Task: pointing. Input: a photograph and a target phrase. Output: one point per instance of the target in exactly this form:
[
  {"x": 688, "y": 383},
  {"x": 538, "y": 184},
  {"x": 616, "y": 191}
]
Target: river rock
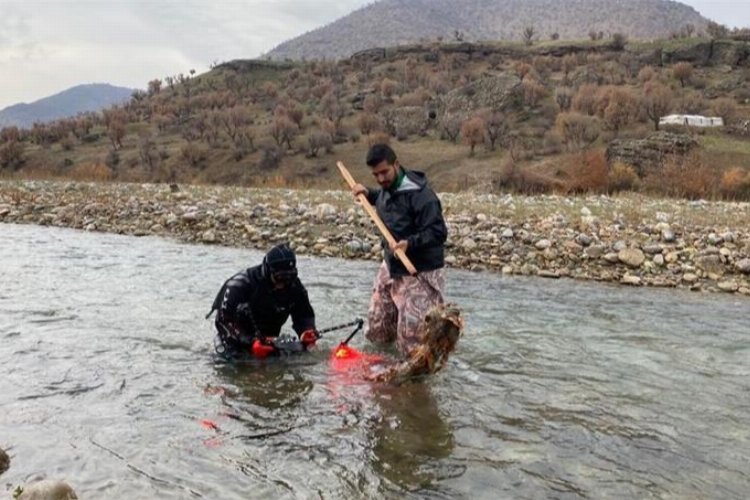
[
  {"x": 728, "y": 286},
  {"x": 4, "y": 461},
  {"x": 543, "y": 244},
  {"x": 715, "y": 239},
  {"x": 668, "y": 236},
  {"x": 631, "y": 280},
  {"x": 672, "y": 257},
  {"x": 611, "y": 257},
  {"x": 631, "y": 257},
  {"x": 743, "y": 266},
  {"x": 507, "y": 233},
  {"x": 710, "y": 263},
  {"x": 583, "y": 239},
  {"x": 652, "y": 249},
  {"x": 325, "y": 210},
  {"x": 47, "y": 489},
  {"x": 208, "y": 237},
  {"x": 659, "y": 259},
  {"x": 595, "y": 251},
  {"x": 354, "y": 247},
  {"x": 469, "y": 244},
  {"x": 689, "y": 278}
]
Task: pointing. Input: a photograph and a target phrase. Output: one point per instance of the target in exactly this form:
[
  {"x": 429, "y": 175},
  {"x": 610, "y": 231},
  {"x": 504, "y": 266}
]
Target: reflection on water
[
  {"x": 558, "y": 389},
  {"x": 410, "y": 437}
]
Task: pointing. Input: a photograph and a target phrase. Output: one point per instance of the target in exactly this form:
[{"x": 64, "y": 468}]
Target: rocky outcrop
[
  {"x": 700, "y": 52},
  {"x": 408, "y": 120},
  {"x": 250, "y": 65},
  {"x": 496, "y": 92},
  {"x": 731, "y": 53},
  {"x": 649, "y": 154}
]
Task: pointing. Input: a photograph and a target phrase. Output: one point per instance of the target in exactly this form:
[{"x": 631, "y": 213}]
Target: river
[{"x": 559, "y": 389}]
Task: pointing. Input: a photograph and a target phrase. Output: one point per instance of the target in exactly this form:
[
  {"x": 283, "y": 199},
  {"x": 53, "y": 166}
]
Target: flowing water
[{"x": 559, "y": 389}]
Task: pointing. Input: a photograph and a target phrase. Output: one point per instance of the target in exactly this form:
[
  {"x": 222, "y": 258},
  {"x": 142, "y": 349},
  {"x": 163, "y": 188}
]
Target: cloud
[{"x": 49, "y": 45}]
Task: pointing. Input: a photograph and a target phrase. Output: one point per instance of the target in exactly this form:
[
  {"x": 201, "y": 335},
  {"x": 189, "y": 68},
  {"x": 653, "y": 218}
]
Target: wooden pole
[{"x": 376, "y": 219}]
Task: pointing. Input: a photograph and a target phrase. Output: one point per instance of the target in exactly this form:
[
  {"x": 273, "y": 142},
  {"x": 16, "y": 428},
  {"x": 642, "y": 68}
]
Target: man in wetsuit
[{"x": 253, "y": 305}]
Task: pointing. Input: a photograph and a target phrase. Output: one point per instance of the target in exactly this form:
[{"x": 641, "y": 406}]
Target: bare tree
[
  {"x": 682, "y": 71},
  {"x": 472, "y": 132},
  {"x": 496, "y": 128},
  {"x": 450, "y": 127},
  {"x": 656, "y": 101},
  {"x": 528, "y": 35}
]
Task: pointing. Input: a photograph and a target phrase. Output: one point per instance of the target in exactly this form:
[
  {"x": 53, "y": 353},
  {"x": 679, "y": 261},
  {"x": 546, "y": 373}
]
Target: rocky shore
[{"x": 632, "y": 240}]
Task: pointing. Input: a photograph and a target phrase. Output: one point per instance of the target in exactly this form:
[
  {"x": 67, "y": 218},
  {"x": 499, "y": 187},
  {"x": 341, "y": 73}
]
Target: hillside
[
  {"x": 70, "y": 102},
  {"x": 395, "y": 22},
  {"x": 561, "y": 116}
]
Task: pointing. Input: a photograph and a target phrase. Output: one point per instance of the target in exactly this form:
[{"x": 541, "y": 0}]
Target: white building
[{"x": 692, "y": 120}]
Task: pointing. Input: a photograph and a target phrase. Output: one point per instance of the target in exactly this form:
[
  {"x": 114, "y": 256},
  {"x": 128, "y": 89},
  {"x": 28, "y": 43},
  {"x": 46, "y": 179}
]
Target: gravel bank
[{"x": 632, "y": 240}]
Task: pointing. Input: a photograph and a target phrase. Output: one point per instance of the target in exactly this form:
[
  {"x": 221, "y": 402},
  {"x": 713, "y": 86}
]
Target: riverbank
[{"x": 632, "y": 240}]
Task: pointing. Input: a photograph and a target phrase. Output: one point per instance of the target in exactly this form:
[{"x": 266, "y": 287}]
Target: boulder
[
  {"x": 648, "y": 155},
  {"x": 47, "y": 489},
  {"x": 496, "y": 92},
  {"x": 407, "y": 120},
  {"x": 743, "y": 266},
  {"x": 631, "y": 257},
  {"x": 698, "y": 53}
]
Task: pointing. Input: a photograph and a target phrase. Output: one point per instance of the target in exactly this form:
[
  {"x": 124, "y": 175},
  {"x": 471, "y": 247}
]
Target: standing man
[
  {"x": 413, "y": 214},
  {"x": 253, "y": 305}
]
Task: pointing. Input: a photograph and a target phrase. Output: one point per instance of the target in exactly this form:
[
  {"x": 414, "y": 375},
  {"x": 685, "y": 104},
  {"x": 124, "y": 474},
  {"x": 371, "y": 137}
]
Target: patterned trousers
[{"x": 398, "y": 306}]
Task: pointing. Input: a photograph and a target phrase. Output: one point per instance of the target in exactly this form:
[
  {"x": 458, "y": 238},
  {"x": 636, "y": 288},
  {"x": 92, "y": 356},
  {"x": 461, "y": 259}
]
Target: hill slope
[
  {"x": 78, "y": 99},
  {"x": 395, "y": 22}
]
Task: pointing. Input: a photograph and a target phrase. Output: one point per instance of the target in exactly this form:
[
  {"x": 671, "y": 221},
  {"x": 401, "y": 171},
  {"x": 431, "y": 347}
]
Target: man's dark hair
[{"x": 379, "y": 153}]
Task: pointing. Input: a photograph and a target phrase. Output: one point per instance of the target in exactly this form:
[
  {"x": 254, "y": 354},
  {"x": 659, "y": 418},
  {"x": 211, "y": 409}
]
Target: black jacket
[
  {"x": 413, "y": 213},
  {"x": 247, "y": 303}
]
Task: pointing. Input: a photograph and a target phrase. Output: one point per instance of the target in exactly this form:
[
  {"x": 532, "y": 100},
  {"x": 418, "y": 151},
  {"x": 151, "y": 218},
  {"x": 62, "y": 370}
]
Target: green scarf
[{"x": 397, "y": 181}]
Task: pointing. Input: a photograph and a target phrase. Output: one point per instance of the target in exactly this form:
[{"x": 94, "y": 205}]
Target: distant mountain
[
  {"x": 394, "y": 22},
  {"x": 78, "y": 99}
]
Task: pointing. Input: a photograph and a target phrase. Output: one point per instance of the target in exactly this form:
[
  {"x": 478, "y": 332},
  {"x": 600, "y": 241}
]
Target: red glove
[
  {"x": 262, "y": 350},
  {"x": 308, "y": 338}
]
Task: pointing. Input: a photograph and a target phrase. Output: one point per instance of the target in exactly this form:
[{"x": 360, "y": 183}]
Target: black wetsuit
[{"x": 249, "y": 307}]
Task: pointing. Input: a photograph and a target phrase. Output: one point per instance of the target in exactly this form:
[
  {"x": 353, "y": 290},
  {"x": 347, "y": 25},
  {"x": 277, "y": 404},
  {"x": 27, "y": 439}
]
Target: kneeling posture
[{"x": 254, "y": 304}]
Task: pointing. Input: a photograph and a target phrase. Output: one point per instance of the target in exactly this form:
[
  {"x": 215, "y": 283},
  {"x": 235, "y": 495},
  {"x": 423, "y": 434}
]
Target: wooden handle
[{"x": 376, "y": 219}]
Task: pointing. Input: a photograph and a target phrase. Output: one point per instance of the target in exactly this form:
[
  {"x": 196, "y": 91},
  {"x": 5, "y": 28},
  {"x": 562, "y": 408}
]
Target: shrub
[
  {"x": 735, "y": 183},
  {"x": 685, "y": 177},
  {"x": 94, "y": 172},
  {"x": 622, "y": 177},
  {"x": 271, "y": 157},
  {"x": 524, "y": 181},
  {"x": 533, "y": 91},
  {"x": 682, "y": 71},
  {"x": 194, "y": 154},
  {"x": 587, "y": 172},
  {"x": 578, "y": 131},
  {"x": 11, "y": 154},
  {"x": 725, "y": 108},
  {"x": 472, "y": 132},
  {"x": 317, "y": 140},
  {"x": 378, "y": 138}
]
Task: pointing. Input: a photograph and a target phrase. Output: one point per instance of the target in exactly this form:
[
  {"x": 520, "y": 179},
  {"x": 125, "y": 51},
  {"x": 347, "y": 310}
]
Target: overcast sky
[{"x": 47, "y": 46}]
